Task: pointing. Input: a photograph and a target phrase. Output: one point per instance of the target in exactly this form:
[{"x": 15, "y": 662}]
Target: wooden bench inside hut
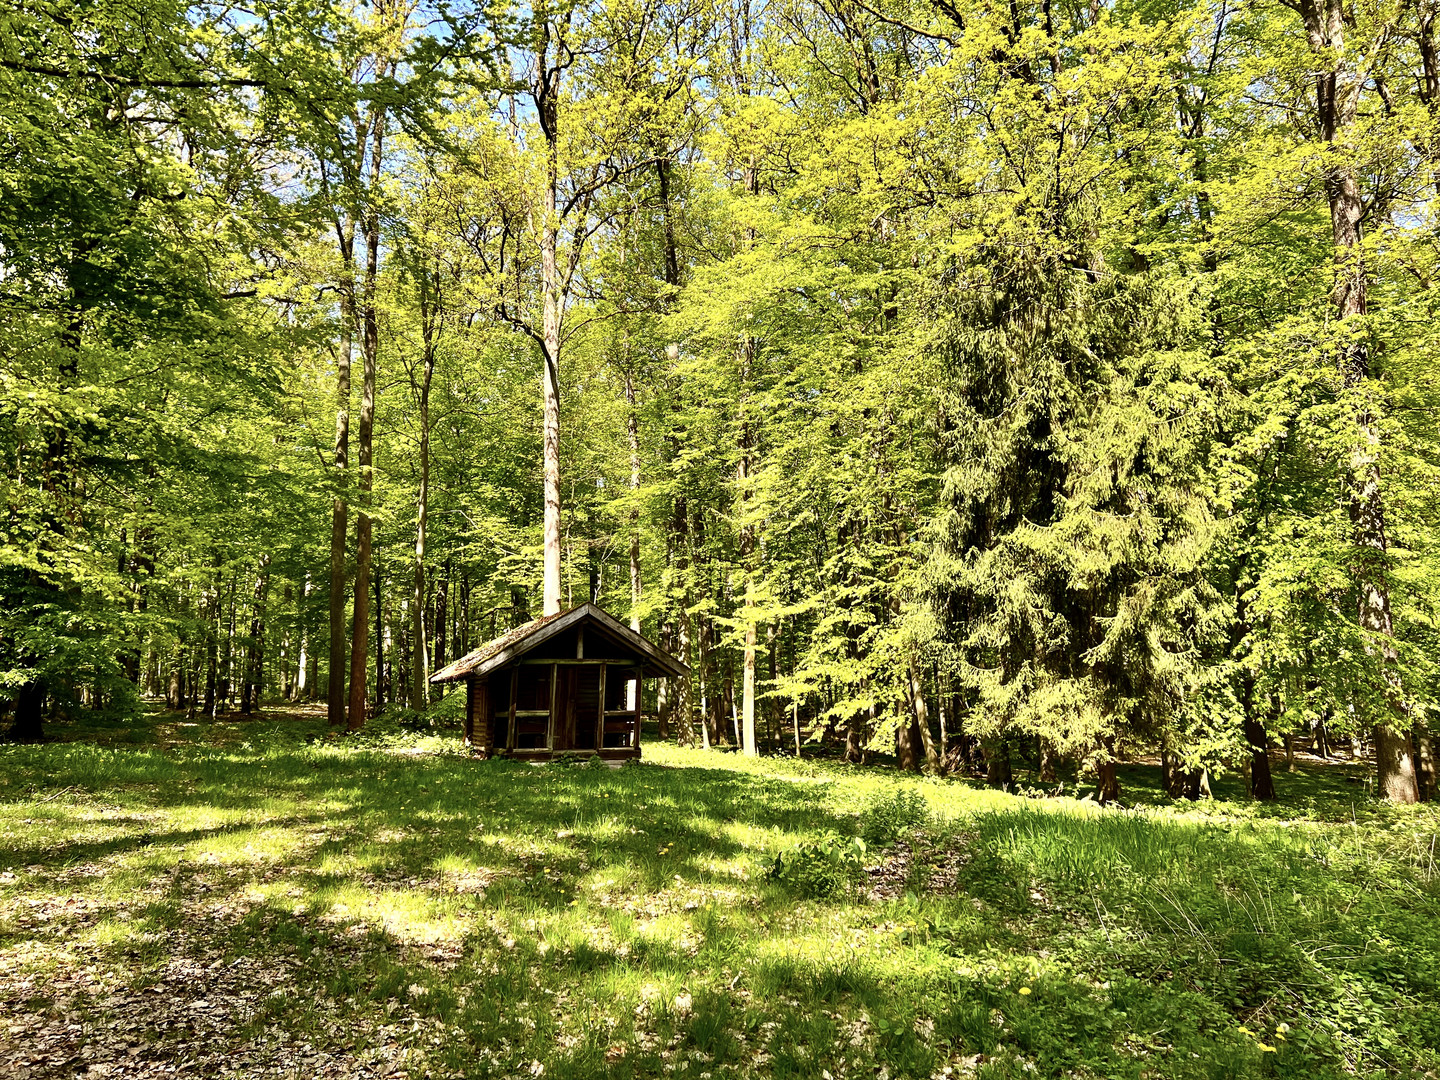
[{"x": 561, "y": 684}]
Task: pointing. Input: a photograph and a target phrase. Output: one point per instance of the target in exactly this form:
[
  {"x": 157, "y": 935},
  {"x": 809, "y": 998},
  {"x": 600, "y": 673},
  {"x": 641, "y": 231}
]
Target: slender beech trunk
[
  {"x": 774, "y": 709},
  {"x": 743, "y": 471},
  {"x": 707, "y": 683},
  {"x": 921, "y": 713},
  {"x": 304, "y": 683},
  {"x": 1425, "y": 763},
  {"x": 335, "y": 697},
  {"x": 212, "y": 631},
  {"x": 662, "y": 690},
  {"x": 227, "y": 663},
  {"x": 683, "y": 688},
  {"x": 255, "y": 668},
  {"x": 672, "y": 259},
  {"x": 1048, "y": 772},
  {"x": 443, "y": 615},
  {"x": 369, "y": 348},
  {"x": 384, "y": 690},
  {"x": 547, "y": 102},
  {"x": 632, "y": 438},
  {"x": 1337, "y": 93},
  {"x": 420, "y": 663}
]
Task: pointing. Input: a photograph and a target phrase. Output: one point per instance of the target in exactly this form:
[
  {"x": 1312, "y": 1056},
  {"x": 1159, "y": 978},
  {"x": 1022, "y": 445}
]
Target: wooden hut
[{"x": 560, "y": 684}]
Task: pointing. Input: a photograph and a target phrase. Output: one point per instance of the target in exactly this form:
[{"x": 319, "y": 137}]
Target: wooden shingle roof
[{"x": 515, "y": 643}]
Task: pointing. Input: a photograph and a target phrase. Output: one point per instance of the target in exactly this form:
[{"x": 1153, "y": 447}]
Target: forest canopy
[{"x": 945, "y": 379}]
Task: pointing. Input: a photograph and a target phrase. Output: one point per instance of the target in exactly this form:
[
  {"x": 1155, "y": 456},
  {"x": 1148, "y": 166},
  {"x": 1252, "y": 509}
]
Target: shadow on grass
[{"x": 607, "y": 922}]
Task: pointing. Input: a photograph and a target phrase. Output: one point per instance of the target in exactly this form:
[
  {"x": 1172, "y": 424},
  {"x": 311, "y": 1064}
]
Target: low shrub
[
  {"x": 821, "y": 869},
  {"x": 887, "y": 818}
]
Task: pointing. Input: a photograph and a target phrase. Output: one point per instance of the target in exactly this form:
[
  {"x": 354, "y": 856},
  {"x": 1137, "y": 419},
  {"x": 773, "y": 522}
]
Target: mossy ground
[{"x": 232, "y": 899}]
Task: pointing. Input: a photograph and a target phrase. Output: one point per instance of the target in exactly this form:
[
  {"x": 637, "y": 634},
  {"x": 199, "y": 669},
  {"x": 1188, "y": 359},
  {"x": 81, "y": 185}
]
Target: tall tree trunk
[
  {"x": 335, "y": 697},
  {"x": 443, "y": 615},
  {"x": 1425, "y": 763},
  {"x": 1048, "y": 771},
  {"x": 174, "y": 682},
  {"x": 774, "y": 710},
  {"x": 663, "y": 691},
  {"x": 227, "y": 678},
  {"x": 420, "y": 664},
  {"x": 547, "y": 102},
  {"x": 683, "y": 688},
  {"x": 857, "y": 734},
  {"x": 707, "y": 683},
  {"x": 632, "y": 439},
  {"x": 997, "y": 762},
  {"x": 743, "y": 471},
  {"x": 212, "y": 632},
  {"x": 907, "y": 740},
  {"x": 1107, "y": 783},
  {"x": 384, "y": 668},
  {"x": 672, "y": 260},
  {"x": 370, "y": 349},
  {"x": 1337, "y": 93},
  {"x": 255, "y": 668},
  {"x": 1262, "y": 783},
  {"x": 922, "y": 716},
  {"x": 304, "y": 684}
]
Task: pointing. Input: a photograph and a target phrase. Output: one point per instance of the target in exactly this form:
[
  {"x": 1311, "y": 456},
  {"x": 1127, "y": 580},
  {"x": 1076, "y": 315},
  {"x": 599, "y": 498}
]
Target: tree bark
[
  {"x": 443, "y": 615},
  {"x": 997, "y": 762},
  {"x": 1107, "y": 783},
  {"x": 420, "y": 660},
  {"x": 339, "y": 525},
  {"x": 1048, "y": 773},
  {"x": 922, "y": 716},
  {"x": 743, "y": 470},
  {"x": 1337, "y": 94},
  {"x": 369, "y": 348},
  {"x": 632, "y": 441},
  {"x": 547, "y": 103},
  {"x": 1262, "y": 783},
  {"x": 682, "y": 688},
  {"x": 907, "y": 739},
  {"x": 384, "y": 676},
  {"x": 672, "y": 260},
  {"x": 255, "y": 668},
  {"x": 1424, "y": 763},
  {"x": 212, "y": 633}
]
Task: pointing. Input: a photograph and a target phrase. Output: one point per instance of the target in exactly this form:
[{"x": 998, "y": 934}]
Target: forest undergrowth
[{"x": 264, "y": 899}]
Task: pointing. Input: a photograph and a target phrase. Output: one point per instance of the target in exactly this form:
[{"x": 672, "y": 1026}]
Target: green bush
[
  {"x": 823, "y": 868},
  {"x": 887, "y": 818}
]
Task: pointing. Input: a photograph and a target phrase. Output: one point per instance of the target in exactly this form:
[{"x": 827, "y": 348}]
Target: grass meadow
[{"x": 261, "y": 899}]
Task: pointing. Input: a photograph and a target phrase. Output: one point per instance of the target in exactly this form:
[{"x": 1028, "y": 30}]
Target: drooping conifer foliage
[{"x": 1044, "y": 382}]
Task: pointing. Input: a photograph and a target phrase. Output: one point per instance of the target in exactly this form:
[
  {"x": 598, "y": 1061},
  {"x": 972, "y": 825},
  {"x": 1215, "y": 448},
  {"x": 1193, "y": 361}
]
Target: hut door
[
  {"x": 586, "y": 683},
  {"x": 532, "y": 707}
]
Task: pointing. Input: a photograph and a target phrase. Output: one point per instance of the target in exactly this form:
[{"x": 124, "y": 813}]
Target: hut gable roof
[{"x": 517, "y": 642}]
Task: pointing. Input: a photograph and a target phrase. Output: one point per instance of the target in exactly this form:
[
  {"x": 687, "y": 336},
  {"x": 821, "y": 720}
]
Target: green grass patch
[{"x": 392, "y": 900}]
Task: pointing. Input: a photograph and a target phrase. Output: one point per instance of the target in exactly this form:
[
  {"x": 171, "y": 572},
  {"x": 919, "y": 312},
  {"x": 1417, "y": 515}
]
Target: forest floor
[{"x": 258, "y": 899}]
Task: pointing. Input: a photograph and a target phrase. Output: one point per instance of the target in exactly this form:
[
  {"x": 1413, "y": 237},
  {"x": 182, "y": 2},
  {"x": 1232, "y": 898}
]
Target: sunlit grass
[{"x": 489, "y": 917}]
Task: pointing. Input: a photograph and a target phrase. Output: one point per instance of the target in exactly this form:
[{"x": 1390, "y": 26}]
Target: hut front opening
[
  {"x": 567, "y": 683},
  {"x": 554, "y": 706}
]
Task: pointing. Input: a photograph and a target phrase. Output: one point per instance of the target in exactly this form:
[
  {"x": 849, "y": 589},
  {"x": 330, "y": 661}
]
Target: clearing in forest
[{"x": 233, "y": 900}]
